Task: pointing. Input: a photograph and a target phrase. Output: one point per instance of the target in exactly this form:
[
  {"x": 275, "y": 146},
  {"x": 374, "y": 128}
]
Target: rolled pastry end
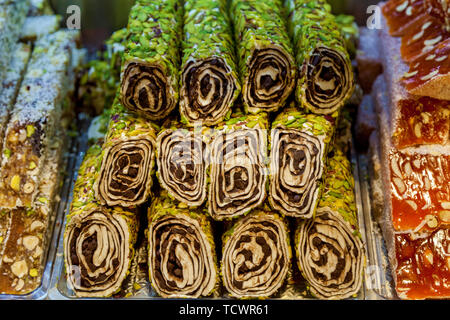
[
  {"x": 330, "y": 256},
  {"x": 329, "y": 81},
  {"x": 256, "y": 256},
  {"x": 237, "y": 173},
  {"x": 208, "y": 91},
  {"x": 181, "y": 166},
  {"x": 270, "y": 81},
  {"x": 97, "y": 251},
  {"x": 146, "y": 90},
  {"x": 181, "y": 257},
  {"x": 296, "y": 169},
  {"x": 125, "y": 174}
]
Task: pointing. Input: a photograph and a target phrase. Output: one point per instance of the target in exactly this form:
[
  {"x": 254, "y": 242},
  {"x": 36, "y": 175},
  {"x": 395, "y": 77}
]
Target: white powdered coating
[
  {"x": 44, "y": 85},
  {"x": 12, "y": 16},
  {"x": 39, "y": 26},
  {"x": 369, "y": 46},
  {"x": 9, "y": 85}
]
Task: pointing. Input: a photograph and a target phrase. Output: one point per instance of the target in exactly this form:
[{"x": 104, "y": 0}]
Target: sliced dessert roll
[
  {"x": 128, "y": 160},
  {"x": 149, "y": 79},
  {"x": 266, "y": 57},
  {"x": 182, "y": 158},
  {"x": 299, "y": 147},
  {"x": 209, "y": 80},
  {"x": 326, "y": 78},
  {"x": 329, "y": 249},
  {"x": 256, "y": 256},
  {"x": 238, "y": 166},
  {"x": 182, "y": 259},
  {"x": 98, "y": 241}
]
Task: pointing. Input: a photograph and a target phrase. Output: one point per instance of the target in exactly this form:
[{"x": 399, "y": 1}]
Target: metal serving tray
[
  {"x": 137, "y": 286},
  {"x": 378, "y": 278}
]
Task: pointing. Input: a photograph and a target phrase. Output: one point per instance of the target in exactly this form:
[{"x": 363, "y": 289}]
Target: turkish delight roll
[
  {"x": 149, "y": 78},
  {"x": 181, "y": 253}
]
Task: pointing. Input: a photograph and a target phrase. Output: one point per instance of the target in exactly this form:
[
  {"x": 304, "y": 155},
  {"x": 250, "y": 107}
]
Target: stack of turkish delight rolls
[
  {"x": 410, "y": 148},
  {"x": 38, "y": 68},
  {"x": 223, "y": 129}
]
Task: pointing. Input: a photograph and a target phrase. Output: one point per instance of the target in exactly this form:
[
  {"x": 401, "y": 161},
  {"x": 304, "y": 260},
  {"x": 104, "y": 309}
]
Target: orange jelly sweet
[
  {"x": 400, "y": 13},
  {"x": 420, "y": 191},
  {"x": 422, "y": 38},
  {"x": 423, "y": 265},
  {"x": 433, "y": 64},
  {"x": 422, "y": 121}
]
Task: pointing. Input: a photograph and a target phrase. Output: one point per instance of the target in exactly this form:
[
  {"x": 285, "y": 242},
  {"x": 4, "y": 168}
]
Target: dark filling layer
[
  {"x": 181, "y": 165},
  {"x": 239, "y": 176},
  {"x": 145, "y": 90},
  {"x": 163, "y": 248},
  {"x": 215, "y": 85},
  {"x": 89, "y": 246},
  {"x": 259, "y": 232},
  {"x": 125, "y": 175},
  {"x": 261, "y": 87},
  {"x": 317, "y": 71}
]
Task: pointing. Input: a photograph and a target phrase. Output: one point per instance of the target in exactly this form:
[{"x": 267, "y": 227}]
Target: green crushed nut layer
[
  {"x": 326, "y": 78},
  {"x": 172, "y": 229},
  {"x": 266, "y": 63},
  {"x": 151, "y": 62},
  {"x": 208, "y": 62}
]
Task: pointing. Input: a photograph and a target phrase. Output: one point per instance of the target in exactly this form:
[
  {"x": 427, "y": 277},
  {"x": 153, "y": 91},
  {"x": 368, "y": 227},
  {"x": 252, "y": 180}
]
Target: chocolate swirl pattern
[
  {"x": 330, "y": 253},
  {"x": 128, "y": 158},
  {"x": 209, "y": 80},
  {"x": 181, "y": 252},
  {"x": 98, "y": 241},
  {"x": 237, "y": 172},
  {"x": 326, "y": 78},
  {"x": 299, "y": 144},
  {"x": 269, "y": 79},
  {"x": 181, "y": 165},
  {"x": 256, "y": 256},
  {"x": 145, "y": 90},
  {"x": 330, "y": 256},
  {"x": 208, "y": 91},
  {"x": 149, "y": 74},
  {"x": 97, "y": 251},
  {"x": 329, "y": 80},
  {"x": 266, "y": 59},
  {"x": 296, "y": 167}
]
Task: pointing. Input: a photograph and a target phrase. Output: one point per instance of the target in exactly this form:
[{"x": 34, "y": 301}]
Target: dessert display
[
  {"x": 216, "y": 155},
  {"x": 227, "y": 150}
]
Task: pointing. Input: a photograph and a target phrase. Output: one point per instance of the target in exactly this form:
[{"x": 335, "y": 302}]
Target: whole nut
[
  {"x": 19, "y": 268},
  {"x": 15, "y": 183},
  {"x": 36, "y": 225},
  {"x": 28, "y": 187},
  {"x": 20, "y": 284},
  {"x": 30, "y": 242},
  {"x": 444, "y": 215},
  {"x": 431, "y": 221}
]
